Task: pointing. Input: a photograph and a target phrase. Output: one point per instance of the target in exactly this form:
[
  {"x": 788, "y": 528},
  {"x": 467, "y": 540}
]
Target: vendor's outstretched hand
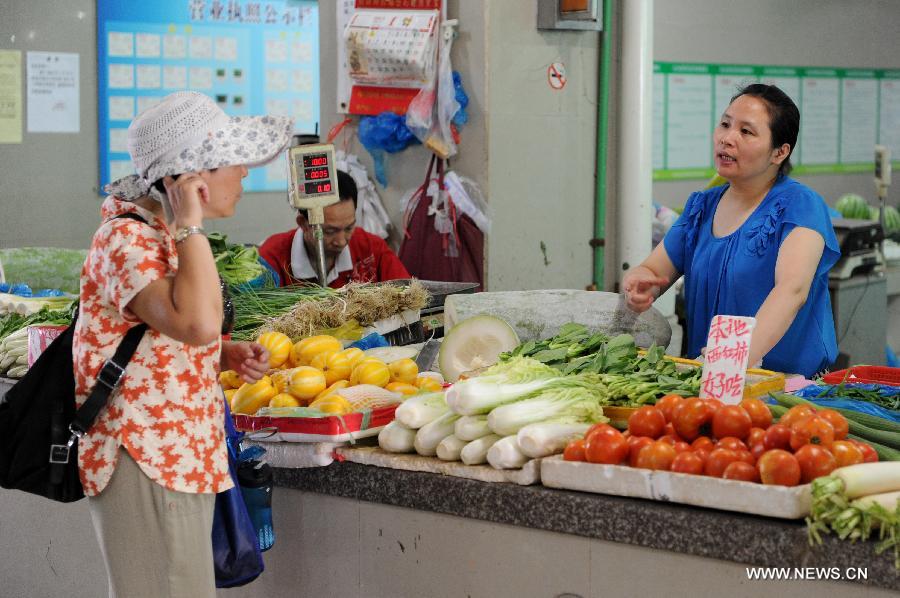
[
  {"x": 249, "y": 360},
  {"x": 641, "y": 287}
]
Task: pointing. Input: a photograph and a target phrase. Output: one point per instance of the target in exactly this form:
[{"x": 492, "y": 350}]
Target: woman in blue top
[{"x": 761, "y": 245}]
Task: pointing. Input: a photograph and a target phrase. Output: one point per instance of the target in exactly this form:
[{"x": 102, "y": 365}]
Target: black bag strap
[{"x": 112, "y": 371}]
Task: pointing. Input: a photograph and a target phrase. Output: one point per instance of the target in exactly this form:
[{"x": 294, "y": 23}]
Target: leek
[
  {"x": 420, "y": 410},
  {"x": 570, "y": 405}
]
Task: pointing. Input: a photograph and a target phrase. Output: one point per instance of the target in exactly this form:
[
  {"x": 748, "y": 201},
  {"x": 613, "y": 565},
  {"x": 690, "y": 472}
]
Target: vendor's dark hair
[
  {"x": 346, "y": 189},
  {"x": 784, "y": 117}
]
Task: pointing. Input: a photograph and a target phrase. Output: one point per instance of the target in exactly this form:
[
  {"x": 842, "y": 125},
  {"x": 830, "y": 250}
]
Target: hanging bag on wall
[{"x": 40, "y": 424}]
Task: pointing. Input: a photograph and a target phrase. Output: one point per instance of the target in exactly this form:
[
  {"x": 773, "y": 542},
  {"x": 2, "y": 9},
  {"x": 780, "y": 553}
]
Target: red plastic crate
[
  {"x": 318, "y": 429},
  {"x": 865, "y": 374}
]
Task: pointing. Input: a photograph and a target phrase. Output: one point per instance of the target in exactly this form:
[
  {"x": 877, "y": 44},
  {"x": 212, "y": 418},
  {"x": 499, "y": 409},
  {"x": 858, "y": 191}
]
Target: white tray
[
  {"x": 528, "y": 475},
  {"x": 697, "y": 490}
]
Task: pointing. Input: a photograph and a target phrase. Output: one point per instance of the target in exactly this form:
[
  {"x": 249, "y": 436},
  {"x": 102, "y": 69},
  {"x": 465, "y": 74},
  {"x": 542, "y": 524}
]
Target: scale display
[{"x": 313, "y": 175}]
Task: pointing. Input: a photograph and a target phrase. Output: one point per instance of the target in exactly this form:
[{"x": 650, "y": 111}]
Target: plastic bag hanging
[
  {"x": 370, "y": 212},
  {"x": 430, "y": 114}
]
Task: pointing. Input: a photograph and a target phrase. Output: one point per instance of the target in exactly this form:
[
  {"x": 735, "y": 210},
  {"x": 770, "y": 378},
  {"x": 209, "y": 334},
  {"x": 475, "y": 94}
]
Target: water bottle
[{"x": 255, "y": 479}]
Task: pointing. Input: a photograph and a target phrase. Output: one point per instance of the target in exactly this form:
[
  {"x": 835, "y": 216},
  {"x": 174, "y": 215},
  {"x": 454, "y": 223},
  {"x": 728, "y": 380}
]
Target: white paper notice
[
  {"x": 303, "y": 110},
  {"x": 277, "y": 107},
  {"x": 889, "y": 121},
  {"x": 659, "y": 120},
  {"x": 689, "y": 143},
  {"x": 118, "y": 140},
  {"x": 276, "y": 50},
  {"x": 303, "y": 81},
  {"x": 727, "y": 354},
  {"x": 174, "y": 77},
  {"x": 201, "y": 47},
  {"x": 201, "y": 77},
  {"x": 726, "y": 87},
  {"x": 859, "y": 119},
  {"x": 149, "y": 76},
  {"x": 121, "y": 76},
  {"x": 121, "y": 108},
  {"x": 53, "y": 86},
  {"x": 301, "y": 52},
  {"x": 819, "y": 120},
  {"x": 790, "y": 86},
  {"x": 11, "y": 96},
  {"x": 226, "y": 48},
  {"x": 148, "y": 45},
  {"x": 174, "y": 46},
  {"x": 120, "y": 44},
  {"x": 147, "y": 102},
  {"x": 276, "y": 80}
]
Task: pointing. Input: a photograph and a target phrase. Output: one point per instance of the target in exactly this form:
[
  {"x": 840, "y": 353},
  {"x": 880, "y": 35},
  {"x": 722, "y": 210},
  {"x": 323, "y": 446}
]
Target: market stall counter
[{"x": 408, "y": 533}]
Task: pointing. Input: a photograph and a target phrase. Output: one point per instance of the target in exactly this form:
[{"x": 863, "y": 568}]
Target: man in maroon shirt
[{"x": 351, "y": 254}]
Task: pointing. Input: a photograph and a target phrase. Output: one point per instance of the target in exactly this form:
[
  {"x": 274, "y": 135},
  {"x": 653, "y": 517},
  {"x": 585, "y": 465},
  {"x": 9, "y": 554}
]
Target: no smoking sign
[{"x": 556, "y": 75}]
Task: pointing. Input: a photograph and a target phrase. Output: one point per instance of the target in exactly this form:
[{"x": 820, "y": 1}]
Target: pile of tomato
[{"x": 735, "y": 442}]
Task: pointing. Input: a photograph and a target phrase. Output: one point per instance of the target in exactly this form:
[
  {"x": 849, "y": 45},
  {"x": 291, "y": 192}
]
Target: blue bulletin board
[{"x": 252, "y": 57}]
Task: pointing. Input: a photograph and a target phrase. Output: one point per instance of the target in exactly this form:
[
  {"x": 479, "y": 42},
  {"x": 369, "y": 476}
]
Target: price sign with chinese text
[{"x": 727, "y": 354}]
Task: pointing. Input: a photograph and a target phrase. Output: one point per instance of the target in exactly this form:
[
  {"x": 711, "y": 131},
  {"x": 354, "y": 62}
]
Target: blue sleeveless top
[{"x": 733, "y": 275}]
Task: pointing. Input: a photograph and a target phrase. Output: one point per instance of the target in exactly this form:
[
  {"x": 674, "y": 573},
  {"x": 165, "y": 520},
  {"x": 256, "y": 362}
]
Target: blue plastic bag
[
  {"x": 812, "y": 392},
  {"x": 371, "y": 341},
  {"x": 386, "y": 132},
  {"x": 236, "y": 554}
]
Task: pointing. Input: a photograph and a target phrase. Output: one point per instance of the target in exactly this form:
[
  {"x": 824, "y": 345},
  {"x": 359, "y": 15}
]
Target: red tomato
[
  {"x": 626, "y": 434},
  {"x": 731, "y": 420},
  {"x": 730, "y": 442},
  {"x": 716, "y": 404},
  {"x": 846, "y": 453},
  {"x": 669, "y": 439},
  {"x": 688, "y": 462},
  {"x": 812, "y": 430},
  {"x": 778, "y": 467},
  {"x": 742, "y": 471},
  {"x": 669, "y": 430},
  {"x": 869, "y": 454},
  {"x": 658, "y": 455},
  {"x": 703, "y": 442},
  {"x": 814, "y": 461},
  {"x": 746, "y": 456},
  {"x": 837, "y": 421},
  {"x": 795, "y": 414},
  {"x": 647, "y": 421},
  {"x": 667, "y": 405},
  {"x": 635, "y": 444},
  {"x": 597, "y": 428},
  {"x": 759, "y": 412},
  {"x": 606, "y": 446},
  {"x": 756, "y": 435},
  {"x": 681, "y": 447},
  {"x": 718, "y": 460},
  {"x": 778, "y": 436},
  {"x": 574, "y": 451},
  {"x": 703, "y": 453},
  {"x": 757, "y": 450},
  {"x": 693, "y": 418}
]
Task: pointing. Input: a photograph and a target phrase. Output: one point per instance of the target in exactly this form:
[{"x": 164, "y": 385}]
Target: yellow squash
[
  {"x": 278, "y": 345},
  {"x": 306, "y": 382},
  {"x": 284, "y": 400},
  {"x": 307, "y": 348},
  {"x": 404, "y": 370},
  {"x": 336, "y": 366},
  {"x": 334, "y": 404},
  {"x": 371, "y": 371},
  {"x": 250, "y": 397},
  {"x": 230, "y": 379}
]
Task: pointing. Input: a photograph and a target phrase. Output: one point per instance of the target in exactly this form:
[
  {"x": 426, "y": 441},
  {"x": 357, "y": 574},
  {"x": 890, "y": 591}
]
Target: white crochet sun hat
[{"x": 188, "y": 132}]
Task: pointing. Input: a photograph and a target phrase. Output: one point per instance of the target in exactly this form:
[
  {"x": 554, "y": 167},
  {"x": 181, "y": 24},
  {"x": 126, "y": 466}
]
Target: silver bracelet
[{"x": 184, "y": 233}]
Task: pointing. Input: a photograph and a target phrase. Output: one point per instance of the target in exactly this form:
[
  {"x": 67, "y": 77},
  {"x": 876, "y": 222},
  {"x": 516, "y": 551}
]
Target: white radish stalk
[
  {"x": 472, "y": 427},
  {"x": 450, "y": 448},
  {"x": 430, "y": 435},
  {"x": 475, "y": 453},
  {"x": 396, "y": 438},
  {"x": 869, "y": 478},
  {"x": 505, "y": 454},
  {"x": 545, "y": 439},
  {"x": 888, "y": 500},
  {"x": 419, "y": 410}
]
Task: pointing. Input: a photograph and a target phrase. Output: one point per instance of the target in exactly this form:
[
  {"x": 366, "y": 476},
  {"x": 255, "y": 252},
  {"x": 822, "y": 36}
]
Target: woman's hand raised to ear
[{"x": 187, "y": 195}]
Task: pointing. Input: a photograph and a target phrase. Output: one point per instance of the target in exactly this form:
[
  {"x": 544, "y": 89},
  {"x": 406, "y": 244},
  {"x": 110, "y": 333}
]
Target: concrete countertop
[{"x": 757, "y": 541}]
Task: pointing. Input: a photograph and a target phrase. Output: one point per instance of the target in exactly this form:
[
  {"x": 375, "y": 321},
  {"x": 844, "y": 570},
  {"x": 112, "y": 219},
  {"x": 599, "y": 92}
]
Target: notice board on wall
[
  {"x": 843, "y": 114},
  {"x": 252, "y": 57}
]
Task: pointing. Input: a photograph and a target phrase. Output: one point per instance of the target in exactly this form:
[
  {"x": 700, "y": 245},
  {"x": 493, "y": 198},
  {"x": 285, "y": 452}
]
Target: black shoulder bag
[{"x": 40, "y": 424}]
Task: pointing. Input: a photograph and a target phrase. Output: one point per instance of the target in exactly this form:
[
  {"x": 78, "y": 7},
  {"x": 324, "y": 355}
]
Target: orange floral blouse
[{"x": 167, "y": 412}]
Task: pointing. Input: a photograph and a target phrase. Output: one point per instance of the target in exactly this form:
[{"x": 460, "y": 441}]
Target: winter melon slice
[{"x": 474, "y": 343}]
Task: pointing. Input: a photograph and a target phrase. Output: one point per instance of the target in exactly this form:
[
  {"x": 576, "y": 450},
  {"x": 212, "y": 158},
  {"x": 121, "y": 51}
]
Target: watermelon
[
  {"x": 891, "y": 220},
  {"x": 852, "y": 205}
]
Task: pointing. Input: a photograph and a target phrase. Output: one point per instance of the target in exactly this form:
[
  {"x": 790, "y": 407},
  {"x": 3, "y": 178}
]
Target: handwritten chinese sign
[{"x": 727, "y": 354}]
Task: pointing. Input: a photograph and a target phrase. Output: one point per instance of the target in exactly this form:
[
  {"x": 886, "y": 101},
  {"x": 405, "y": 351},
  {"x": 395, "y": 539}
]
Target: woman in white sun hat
[{"x": 155, "y": 457}]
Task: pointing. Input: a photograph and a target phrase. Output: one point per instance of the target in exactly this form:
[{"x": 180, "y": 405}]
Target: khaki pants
[{"x": 155, "y": 542}]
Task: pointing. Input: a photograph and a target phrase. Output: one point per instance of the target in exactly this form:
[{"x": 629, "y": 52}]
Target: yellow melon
[
  {"x": 278, "y": 345},
  {"x": 336, "y": 366},
  {"x": 354, "y": 355},
  {"x": 306, "y": 382},
  {"x": 307, "y": 348},
  {"x": 229, "y": 395},
  {"x": 334, "y": 404},
  {"x": 336, "y": 386},
  {"x": 429, "y": 384},
  {"x": 280, "y": 379},
  {"x": 402, "y": 388},
  {"x": 284, "y": 400},
  {"x": 229, "y": 379},
  {"x": 370, "y": 371},
  {"x": 250, "y": 397},
  {"x": 404, "y": 370}
]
